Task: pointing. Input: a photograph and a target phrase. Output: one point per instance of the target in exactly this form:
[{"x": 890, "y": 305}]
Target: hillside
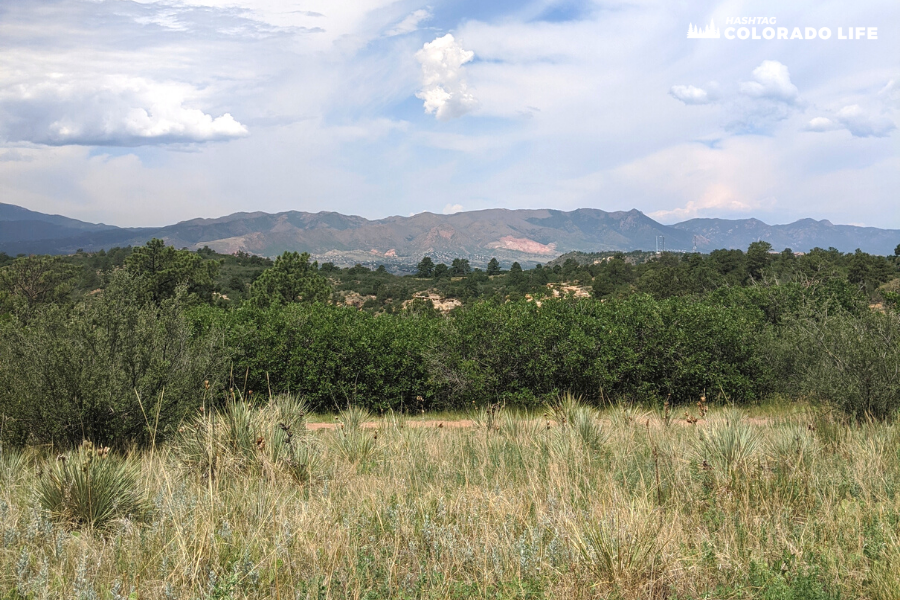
[{"x": 527, "y": 236}]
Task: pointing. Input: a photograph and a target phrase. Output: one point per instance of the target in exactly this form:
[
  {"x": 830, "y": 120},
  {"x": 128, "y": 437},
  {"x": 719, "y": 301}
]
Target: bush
[
  {"x": 90, "y": 487},
  {"x": 269, "y": 440},
  {"x": 329, "y": 355},
  {"x": 850, "y": 361},
  {"x": 519, "y": 352},
  {"x": 72, "y": 374}
]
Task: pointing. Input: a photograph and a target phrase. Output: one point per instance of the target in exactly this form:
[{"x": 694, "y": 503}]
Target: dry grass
[{"x": 613, "y": 505}]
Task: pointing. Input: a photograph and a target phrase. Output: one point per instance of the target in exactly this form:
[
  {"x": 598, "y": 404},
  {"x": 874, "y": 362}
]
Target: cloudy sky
[{"x": 150, "y": 112}]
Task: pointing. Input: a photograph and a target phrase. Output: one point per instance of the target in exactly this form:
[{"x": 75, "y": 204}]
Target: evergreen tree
[
  {"x": 291, "y": 279},
  {"x": 425, "y": 268},
  {"x": 460, "y": 267}
]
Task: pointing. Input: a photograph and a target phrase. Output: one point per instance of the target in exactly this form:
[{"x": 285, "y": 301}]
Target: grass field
[{"x": 621, "y": 503}]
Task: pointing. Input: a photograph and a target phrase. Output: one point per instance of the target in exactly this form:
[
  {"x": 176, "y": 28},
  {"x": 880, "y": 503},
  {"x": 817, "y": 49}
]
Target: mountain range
[{"x": 527, "y": 236}]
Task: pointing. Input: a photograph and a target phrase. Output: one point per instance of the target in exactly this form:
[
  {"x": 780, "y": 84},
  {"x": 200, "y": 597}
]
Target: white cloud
[
  {"x": 891, "y": 92},
  {"x": 410, "y": 23},
  {"x": 717, "y": 198},
  {"x": 690, "y": 94},
  {"x": 861, "y": 124},
  {"x": 112, "y": 110},
  {"x": 854, "y": 119},
  {"x": 771, "y": 81},
  {"x": 452, "y": 208},
  {"x": 820, "y": 124},
  {"x": 444, "y": 87}
]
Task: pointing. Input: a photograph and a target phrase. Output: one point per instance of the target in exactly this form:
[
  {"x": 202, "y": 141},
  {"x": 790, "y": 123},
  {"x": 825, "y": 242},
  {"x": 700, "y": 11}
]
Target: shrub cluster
[
  {"x": 519, "y": 353},
  {"x": 122, "y": 366}
]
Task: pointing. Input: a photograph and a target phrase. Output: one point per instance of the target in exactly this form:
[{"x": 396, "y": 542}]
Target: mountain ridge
[{"x": 525, "y": 235}]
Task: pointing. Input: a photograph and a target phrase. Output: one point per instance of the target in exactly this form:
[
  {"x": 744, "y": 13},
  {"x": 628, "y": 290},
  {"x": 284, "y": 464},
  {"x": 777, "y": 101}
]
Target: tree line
[{"x": 155, "y": 340}]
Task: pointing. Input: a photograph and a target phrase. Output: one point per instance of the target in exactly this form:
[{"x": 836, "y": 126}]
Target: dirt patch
[{"x": 444, "y": 305}]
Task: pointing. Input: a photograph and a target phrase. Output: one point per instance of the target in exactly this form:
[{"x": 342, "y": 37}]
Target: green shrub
[
  {"x": 329, "y": 355},
  {"x": 847, "y": 360},
  {"x": 104, "y": 369}
]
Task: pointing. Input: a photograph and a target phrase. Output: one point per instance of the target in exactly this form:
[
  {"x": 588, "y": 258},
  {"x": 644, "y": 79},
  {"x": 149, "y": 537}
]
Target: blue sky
[{"x": 150, "y": 112}]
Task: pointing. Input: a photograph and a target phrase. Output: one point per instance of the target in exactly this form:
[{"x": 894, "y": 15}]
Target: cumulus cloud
[
  {"x": 690, "y": 94},
  {"x": 410, "y": 23},
  {"x": 862, "y": 124},
  {"x": 772, "y": 81},
  {"x": 110, "y": 111},
  {"x": 444, "y": 88},
  {"x": 452, "y": 208},
  {"x": 854, "y": 119}
]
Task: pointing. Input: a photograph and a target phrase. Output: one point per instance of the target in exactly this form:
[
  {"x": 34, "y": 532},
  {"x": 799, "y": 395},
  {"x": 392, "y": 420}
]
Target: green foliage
[
  {"x": 425, "y": 268},
  {"x": 160, "y": 270},
  {"x": 329, "y": 355},
  {"x": 849, "y": 360},
  {"x": 493, "y": 267},
  {"x": 441, "y": 270},
  {"x": 519, "y": 352},
  {"x": 32, "y": 281},
  {"x": 612, "y": 275},
  {"x": 104, "y": 369},
  {"x": 91, "y": 487},
  {"x": 291, "y": 279},
  {"x": 758, "y": 259},
  {"x": 460, "y": 267}
]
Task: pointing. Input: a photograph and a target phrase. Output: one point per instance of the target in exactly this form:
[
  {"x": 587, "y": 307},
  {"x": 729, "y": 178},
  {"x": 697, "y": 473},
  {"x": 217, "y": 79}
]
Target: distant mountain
[
  {"x": 801, "y": 235},
  {"x": 19, "y": 224},
  {"x": 527, "y": 236},
  {"x": 524, "y": 235}
]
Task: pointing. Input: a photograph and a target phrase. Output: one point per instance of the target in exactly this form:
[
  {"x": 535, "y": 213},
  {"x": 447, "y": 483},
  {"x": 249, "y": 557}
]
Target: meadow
[{"x": 787, "y": 500}]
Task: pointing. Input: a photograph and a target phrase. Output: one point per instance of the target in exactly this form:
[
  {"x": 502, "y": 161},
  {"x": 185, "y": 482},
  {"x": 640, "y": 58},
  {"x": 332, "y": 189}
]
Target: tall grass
[{"x": 609, "y": 504}]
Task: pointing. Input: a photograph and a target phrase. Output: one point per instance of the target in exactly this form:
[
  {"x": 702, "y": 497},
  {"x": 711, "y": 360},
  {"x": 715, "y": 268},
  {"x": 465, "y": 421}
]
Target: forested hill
[{"x": 526, "y": 236}]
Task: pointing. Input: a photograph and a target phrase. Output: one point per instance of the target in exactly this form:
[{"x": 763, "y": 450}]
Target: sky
[{"x": 145, "y": 113}]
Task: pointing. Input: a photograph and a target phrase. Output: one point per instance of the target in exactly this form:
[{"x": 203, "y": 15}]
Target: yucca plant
[
  {"x": 290, "y": 411},
  {"x": 623, "y": 547},
  {"x": 565, "y": 409},
  {"x": 727, "y": 445},
  {"x": 302, "y": 461},
  {"x": 488, "y": 417},
  {"x": 198, "y": 447},
  {"x": 91, "y": 487},
  {"x": 13, "y": 465},
  {"x": 239, "y": 435},
  {"x": 794, "y": 448},
  {"x": 356, "y": 444},
  {"x": 572, "y": 415}
]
